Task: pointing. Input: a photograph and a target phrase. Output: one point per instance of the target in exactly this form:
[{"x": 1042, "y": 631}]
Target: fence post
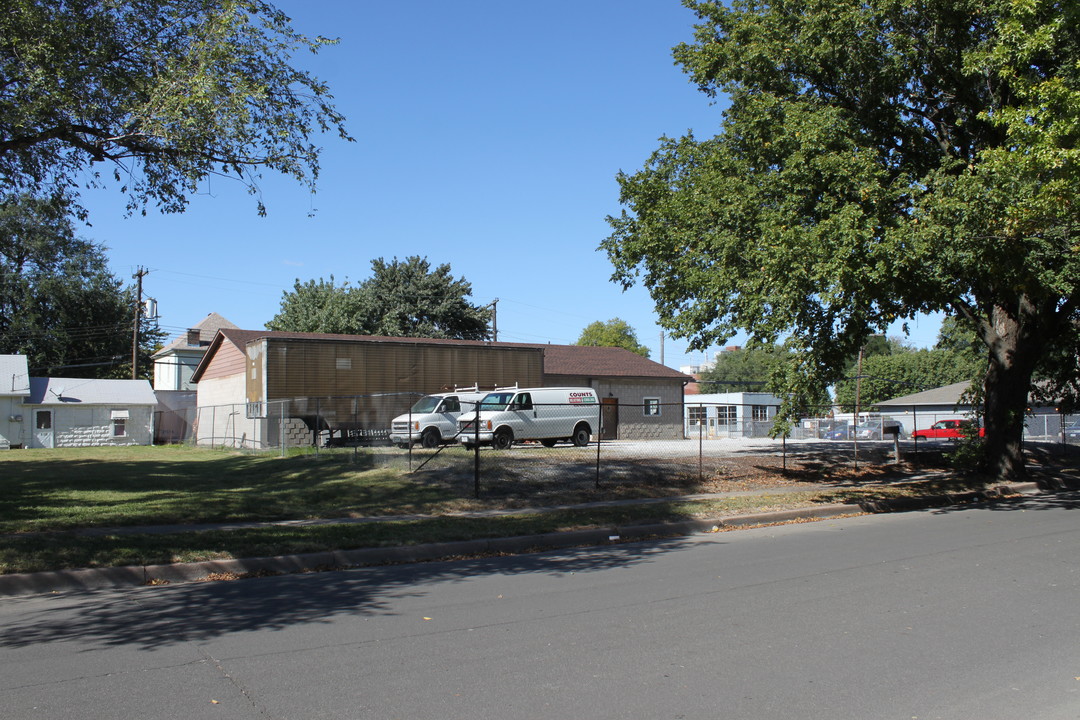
[
  {"x": 914, "y": 427},
  {"x": 213, "y": 425},
  {"x": 476, "y": 452},
  {"x": 599, "y": 437},
  {"x": 700, "y": 448}
]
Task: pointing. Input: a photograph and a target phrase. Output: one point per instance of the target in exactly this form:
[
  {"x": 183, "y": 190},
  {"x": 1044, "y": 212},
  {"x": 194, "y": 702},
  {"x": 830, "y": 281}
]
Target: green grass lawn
[
  {"x": 45, "y": 490},
  {"x": 48, "y": 493}
]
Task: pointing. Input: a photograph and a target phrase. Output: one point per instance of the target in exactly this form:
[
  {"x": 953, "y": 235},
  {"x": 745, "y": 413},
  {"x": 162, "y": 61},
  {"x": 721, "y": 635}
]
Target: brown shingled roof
[
  {"x": 604, "y": 361},
  {"x": 558, "y": 359}
]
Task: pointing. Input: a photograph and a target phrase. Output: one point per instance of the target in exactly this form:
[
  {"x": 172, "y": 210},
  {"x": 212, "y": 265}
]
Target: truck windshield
[
  {"x": 426, "y": 404},
  {"x": 496, "y": 401}
]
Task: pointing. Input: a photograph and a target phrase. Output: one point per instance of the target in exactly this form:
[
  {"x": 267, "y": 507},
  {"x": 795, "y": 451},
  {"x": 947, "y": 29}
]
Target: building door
[
  {"x": 609, "y": 418},
  {"x": 43, "y": 429}
]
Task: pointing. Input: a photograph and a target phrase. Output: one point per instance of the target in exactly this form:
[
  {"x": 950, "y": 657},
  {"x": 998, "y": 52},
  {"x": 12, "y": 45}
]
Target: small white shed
[{"x": 81, "y": 412}]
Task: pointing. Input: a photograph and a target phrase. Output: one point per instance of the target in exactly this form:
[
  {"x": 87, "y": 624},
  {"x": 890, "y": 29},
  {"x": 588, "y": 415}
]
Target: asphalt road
[{"x": 961, "y": 613}]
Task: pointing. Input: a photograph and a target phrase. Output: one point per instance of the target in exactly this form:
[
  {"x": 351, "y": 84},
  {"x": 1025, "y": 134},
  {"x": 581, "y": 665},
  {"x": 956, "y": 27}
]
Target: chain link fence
[{"x": 560, "y": 444}]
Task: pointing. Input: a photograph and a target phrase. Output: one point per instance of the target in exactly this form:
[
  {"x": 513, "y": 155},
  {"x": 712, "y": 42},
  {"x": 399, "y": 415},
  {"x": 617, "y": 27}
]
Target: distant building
[
  {"x": 14, "y": 388},
  {"x": 726, "y": 415},
  {"x": 175, "y": 363}
]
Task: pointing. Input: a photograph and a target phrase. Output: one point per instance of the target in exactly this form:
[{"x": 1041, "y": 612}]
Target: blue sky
[{"x": 488, "y": 136}]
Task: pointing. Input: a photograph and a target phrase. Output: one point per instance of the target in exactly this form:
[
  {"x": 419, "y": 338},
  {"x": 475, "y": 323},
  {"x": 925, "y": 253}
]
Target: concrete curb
[{"x": 81, "y": 580}]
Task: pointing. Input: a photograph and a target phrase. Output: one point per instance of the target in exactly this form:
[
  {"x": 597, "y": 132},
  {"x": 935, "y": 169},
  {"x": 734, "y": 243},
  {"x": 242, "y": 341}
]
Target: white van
[
  {"x": 433, "y": 419},
  {"x": 545, "y": 414}
]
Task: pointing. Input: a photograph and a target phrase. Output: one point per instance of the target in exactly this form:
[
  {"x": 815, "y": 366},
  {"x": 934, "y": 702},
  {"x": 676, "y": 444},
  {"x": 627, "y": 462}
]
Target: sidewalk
[{"x": 104, "y": 578}]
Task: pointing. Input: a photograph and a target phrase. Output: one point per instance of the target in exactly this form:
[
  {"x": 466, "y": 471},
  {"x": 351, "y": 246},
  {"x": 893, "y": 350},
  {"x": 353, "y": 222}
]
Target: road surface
[{"x": 959, "y": 613}]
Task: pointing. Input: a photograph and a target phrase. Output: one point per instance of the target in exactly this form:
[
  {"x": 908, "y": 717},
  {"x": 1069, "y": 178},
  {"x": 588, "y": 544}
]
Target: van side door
[{"x": 524, "y": 415}]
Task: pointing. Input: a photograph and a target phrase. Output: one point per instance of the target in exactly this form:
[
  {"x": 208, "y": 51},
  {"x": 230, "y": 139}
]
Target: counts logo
[{"x": 580, "y": 398}]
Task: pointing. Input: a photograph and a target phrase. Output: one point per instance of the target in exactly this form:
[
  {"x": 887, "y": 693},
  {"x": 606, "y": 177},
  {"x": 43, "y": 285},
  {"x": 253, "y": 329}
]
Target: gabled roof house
[{"x": 174, "y": 363}]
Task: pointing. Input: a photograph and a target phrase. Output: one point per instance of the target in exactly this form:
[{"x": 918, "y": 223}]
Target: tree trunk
[{"x": 1016, "y": 344}]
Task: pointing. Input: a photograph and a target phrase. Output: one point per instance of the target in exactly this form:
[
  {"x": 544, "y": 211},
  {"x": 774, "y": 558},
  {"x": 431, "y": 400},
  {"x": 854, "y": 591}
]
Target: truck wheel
[
  {"x": 581, "y": 436},
  {"x": 502, "y": 439},
  {"x": 430, "y": 439}
]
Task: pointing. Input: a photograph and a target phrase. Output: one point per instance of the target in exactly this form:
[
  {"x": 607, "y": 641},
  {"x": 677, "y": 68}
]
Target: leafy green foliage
[
  {"x": 167, "y": 92},
  {"x": 401, "y": 299},
  {"x": 410, "y": 299},
  {"x": 740, "y": 370},
  {"x": 59, "y": 304},
  {"x": 320, "y": 306},
  {"x": 613, "y": 333},
  {"x": 878, "y": 160},
  {"x": 885, "y": 377}
]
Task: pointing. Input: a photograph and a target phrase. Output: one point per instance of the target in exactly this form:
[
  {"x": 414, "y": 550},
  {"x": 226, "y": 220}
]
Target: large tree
[
  {"x": 410, "y": 298},
  {"x": 879, "y": 159},
  {"x": 166, "y": 92},
  {"x": 884, "y": 377},
  {"x": 59, "y": 304},
  {"x": 741, "y": 370},
  {"x": 401, "y": 299},
  {"x": 320, "y": 306},
  {"x": 613, "y": 333}
]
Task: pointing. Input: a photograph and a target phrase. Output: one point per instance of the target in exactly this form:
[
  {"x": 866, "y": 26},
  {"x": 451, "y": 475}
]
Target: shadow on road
[{"x": 164, "y": 616}]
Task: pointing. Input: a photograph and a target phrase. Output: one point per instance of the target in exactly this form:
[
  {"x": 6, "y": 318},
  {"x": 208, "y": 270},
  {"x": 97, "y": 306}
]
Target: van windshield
[
  {"x": 496, "y": 401},
  {"x": 426, "y": 404}
]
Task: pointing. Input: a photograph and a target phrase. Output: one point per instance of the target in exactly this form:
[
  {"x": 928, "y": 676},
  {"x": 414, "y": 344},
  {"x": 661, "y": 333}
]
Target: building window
[
  {"x": 760, "y": 413},
  {"x": 727, "y": 415},
  {"x": 343, "y": 363},
  {"x": 43, "y": 420},
  {"x": 651, "y": 407},
  {"x": 119, "y": 423},
  {"x": 697, "y": 415}
]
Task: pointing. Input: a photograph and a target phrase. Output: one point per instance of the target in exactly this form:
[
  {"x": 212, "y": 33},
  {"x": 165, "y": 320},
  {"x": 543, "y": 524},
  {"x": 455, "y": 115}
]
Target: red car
[{"x": 949, "y": 429}]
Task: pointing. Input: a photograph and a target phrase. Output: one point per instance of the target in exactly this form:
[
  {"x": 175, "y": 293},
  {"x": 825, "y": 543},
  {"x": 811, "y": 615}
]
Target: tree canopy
[
  {"x": 166, "y": 92},
  {"x": 613, "y": 333},
  {"x": 879, "y": 159},
  {"x": 59, "y": 304},
  {"x": 740, "y": 370},
  {"x": 401, "y": 299},
  {"x": 884, "y": 377}
]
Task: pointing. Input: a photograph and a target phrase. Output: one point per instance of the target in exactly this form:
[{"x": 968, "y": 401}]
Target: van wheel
[
  {"x": 581, "y": 436},
  {"x": 430, "y": 439},
  {"x": 502, "y": 439},
  {"x": 548, "y": 443}
]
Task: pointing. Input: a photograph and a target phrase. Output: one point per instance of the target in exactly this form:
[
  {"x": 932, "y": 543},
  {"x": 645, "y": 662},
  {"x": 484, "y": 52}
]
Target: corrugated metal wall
[
  {"x": 299, "y": 368},
  {"x": 360, "y": 386}
]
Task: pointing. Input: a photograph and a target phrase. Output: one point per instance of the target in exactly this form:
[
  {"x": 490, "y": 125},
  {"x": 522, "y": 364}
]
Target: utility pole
[
  {"x": 858, "y": 387},
  {"x": 661, "y": 348},
  {"x": 138, "y": 276},
  {"x": 494, "y": 305}
]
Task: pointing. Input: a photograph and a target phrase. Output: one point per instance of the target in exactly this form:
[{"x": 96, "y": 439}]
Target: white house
[
  {"x": 80, "y": 412},
  {"x": 174, "y": 363},
  {"x": 14, "y": 387},
  {"x": 735, "y": 414}
]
